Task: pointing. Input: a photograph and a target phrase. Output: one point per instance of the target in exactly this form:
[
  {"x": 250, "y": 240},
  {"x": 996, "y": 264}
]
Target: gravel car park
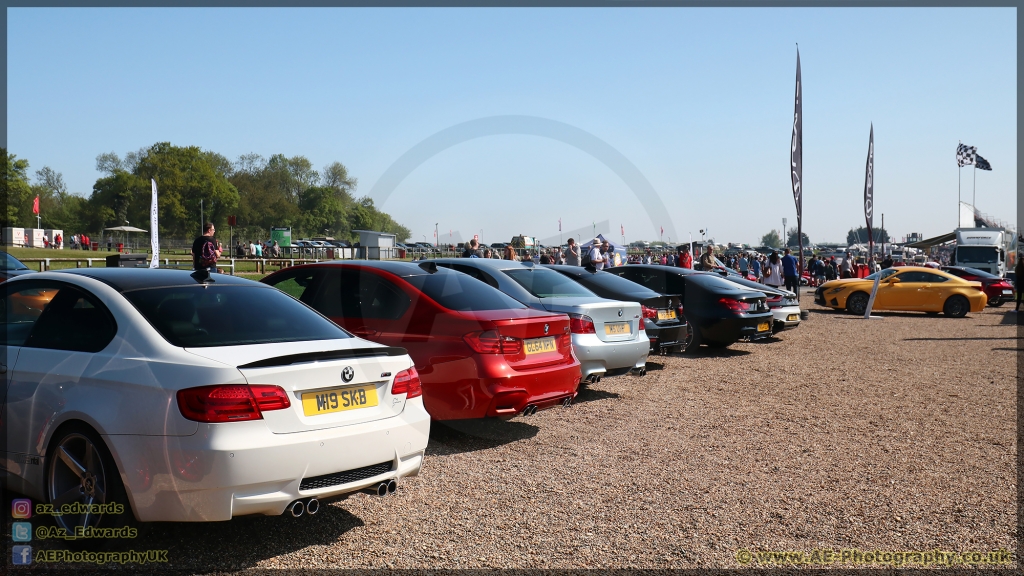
[{"x": 906, "y": 441}]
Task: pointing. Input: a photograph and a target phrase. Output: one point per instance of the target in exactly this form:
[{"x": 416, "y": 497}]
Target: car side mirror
[{"x": 894, "y": 280}]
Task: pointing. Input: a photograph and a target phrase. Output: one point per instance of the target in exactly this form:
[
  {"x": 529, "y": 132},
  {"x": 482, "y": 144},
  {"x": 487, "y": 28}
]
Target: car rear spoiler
[{"x": 326, "y": 355}]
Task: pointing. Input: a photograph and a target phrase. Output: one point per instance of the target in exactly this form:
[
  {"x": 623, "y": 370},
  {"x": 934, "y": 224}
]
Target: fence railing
[{"x": 231, "y": 266}]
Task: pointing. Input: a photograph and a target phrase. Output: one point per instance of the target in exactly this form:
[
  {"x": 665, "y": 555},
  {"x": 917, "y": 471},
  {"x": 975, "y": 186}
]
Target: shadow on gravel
[
  {"x": 1011, "y": 317},
  {"x": 654, "y": 366},
  {"x": 707, "y": 352},
  {"x": 1008, "y": 349},
  {"x": 768, "y": 340},
  {"x": 458, "y": 436},
  {"x": 587, "y": 394}
]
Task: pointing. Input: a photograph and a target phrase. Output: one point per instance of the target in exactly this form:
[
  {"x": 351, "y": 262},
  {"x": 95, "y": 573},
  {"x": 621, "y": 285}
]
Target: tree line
[{"x": 196, "y": 185}]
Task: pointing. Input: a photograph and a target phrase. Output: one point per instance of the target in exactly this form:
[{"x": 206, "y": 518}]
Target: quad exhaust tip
[
  {"x": 312, "y": 506},
  {"x": 530, "y": 410},
  {"x": 297, "y": 508},
  {"x": 392, "y": 487}
]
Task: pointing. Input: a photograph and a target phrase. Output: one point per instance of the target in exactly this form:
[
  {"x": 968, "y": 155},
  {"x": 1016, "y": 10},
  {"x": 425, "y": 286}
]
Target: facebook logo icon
[{"x": 22, "y": 555}]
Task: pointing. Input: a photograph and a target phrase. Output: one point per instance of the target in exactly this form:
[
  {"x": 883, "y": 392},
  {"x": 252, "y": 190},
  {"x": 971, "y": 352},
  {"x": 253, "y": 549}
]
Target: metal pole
[
  {"x": 882, "y": 235},
  {"x": 974, "y": 188}
]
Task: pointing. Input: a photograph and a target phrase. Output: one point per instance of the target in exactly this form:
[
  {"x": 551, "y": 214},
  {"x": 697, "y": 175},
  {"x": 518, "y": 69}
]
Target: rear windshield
[
  {"x": 458, "y": 291},
  {"x": 11, "y": 263},
  {"x": 713, "y": 282},
  {"x": 612, "y": 284},
  {"x": 544, "y": 283},
  {"x": 198, "y": 316}
]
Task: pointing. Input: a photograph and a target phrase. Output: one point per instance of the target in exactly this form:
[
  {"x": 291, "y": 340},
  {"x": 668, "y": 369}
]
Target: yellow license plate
[
  {"x": 762, "y": 327},
  {"x": 541, "y": 345},
  {"x": 792, "y": 318},
  {"x": 614, "y": 328},
  {"x": 666, "y": 314},
  {"x": 338, "y": 400}
]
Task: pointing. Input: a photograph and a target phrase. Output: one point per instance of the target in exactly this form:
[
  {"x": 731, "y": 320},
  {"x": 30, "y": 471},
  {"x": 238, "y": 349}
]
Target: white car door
[{"x": 23, "y": 303}]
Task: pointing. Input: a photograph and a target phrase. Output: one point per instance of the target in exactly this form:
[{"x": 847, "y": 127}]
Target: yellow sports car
[{"x": 905, "y": 288}]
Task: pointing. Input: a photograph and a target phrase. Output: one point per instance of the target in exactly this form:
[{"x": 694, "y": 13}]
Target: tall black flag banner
[
  {"x": 796, "y": 149},
  {"x": 869, "y": 188},
  {"x": 980, "y": 163}
]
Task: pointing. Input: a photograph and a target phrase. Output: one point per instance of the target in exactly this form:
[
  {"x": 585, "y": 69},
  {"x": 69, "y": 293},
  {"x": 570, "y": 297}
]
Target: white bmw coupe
[{"x": 160, "y": 395}]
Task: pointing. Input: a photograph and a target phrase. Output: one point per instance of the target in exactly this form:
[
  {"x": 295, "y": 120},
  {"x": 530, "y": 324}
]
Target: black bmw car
[
  {"x": 718, "y": 312},
  {"x": 11, "y": 267},
  {"x": 662, "y": 314}
]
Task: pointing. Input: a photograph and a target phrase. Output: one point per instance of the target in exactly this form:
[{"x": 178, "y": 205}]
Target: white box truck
[{"x": 981, "y": 248}]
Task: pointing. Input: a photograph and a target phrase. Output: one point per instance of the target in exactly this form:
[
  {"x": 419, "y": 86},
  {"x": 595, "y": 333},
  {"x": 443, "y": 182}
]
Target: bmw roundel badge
[
  {"x": 347, "y": 374},
  {"x": 546, "y": 328},
  {"x": 620, "y": 312}
]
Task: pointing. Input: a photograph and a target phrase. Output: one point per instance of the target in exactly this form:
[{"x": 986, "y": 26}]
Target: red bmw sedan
[{"x": 479, "y": 353}]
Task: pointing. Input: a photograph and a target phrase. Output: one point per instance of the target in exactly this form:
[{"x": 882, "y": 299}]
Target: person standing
[
  {"x": 510, "y": 253},
  {"x": 685, "y": 259},
  {"x": 887, "y": 263},
  {"x": 773, "y": 274},
  {"x": 755, "y": 267},
  {"x": 594, "y": 256},
  {"x": 790, "y": 273},
  {"x": 206, "y": 250},
  {"x": 707, "y": 259},
  {"x": 572, "y": 253},
  {"x": 846, "y": 267},
  {"x": 744, "y": 264}
]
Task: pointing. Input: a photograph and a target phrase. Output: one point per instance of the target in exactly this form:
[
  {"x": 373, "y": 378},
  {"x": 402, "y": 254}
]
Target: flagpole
[{"x": 974, "y": 187}]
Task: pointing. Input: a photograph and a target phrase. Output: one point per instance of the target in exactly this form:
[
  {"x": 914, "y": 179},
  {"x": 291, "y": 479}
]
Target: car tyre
[
  {"x": 80, "y": 469},
  {"x": 857, "y": 303},
  {"x": 956, "y": 307},
  {"x": 693, "y": 338}
]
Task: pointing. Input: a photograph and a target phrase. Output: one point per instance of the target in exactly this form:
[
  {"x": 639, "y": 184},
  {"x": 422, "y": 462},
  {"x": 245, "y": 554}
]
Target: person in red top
[{"x": 685, "y": 258}]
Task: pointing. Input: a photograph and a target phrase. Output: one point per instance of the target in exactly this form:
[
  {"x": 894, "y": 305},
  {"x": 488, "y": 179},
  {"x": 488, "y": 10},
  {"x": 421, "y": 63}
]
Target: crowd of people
[{"x": 257, "y": 249}]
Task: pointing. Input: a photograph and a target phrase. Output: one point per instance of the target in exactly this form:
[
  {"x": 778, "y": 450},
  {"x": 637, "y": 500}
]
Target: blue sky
[{"x": 700, "y": 100}]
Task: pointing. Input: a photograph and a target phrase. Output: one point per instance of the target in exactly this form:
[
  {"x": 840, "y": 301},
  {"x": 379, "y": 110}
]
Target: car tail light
[
  {"x": 407, "y": 382},
  {"x": 230, "y": 403},
  {"x": 734, "y": 305},
  {"x": 773, "y": 299},
  {"x": 642, "y": 327},
  {"x": 649, "y": 312},
  {"x": 511, "y": 346},
  {"x": 486, "y": 342},
  {"x": 581, "y": 324},
  {"x": 680, "y": 310}
]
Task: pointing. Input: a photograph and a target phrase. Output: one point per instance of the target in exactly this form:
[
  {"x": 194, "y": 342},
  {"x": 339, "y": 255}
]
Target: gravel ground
[{"x": 891, "y": 435}]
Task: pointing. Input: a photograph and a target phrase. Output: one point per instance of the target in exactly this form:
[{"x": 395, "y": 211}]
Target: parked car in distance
[
  {"x": 187, "y": 399},
  {"x": 718, "y": 312},
  {"x": 608, "y": 336},
  {"x": 478, "y": 352},
  {"x": 998, "y": 290},
  {"x": 662, "y": 315},
  {"x": 12, "y": 267},
  {"x": 905, "y": 288}
]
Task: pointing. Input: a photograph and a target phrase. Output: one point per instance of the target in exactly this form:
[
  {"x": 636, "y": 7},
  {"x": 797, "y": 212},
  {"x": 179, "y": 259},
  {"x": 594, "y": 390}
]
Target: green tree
[
  {"x": 771, "y": 239},
  {"x": 860, "y": 235},
  {"x": 58, "y": 208},
  {"x": 791, "y": 238},
  {"x": 17, "y": 192}
]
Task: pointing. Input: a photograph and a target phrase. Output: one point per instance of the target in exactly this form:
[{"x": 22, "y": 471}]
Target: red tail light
[
  {"x": 649, "y": 312},
  {"x": 776, "y": 298},
  {"x": 680, "y": 310},
  {"x": 581, "y": 324},
  {"x": 486, "y": 342},
  {"x": 407, "y": 382},
  {"x": 230, "y": 403},
  {"x": 734, "y": 305},
  {"x": 511, "y": 346}
]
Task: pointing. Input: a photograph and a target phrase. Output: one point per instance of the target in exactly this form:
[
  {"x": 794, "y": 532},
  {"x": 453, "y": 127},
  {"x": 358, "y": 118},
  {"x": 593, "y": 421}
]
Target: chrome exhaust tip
[
  {"x": 567, "y": 402},
  {"x": 382, "y": 489},
  {"x": 312, "y": 506},
  {"x": 392, "y": 487},
  {"x": 530, "y": 410},
  {"x": 297, "y": 508}
]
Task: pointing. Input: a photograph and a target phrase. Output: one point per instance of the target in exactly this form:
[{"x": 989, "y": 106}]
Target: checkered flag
[
  {"x": 965, "y": 155},
  {"x": 982, "y": 164}
]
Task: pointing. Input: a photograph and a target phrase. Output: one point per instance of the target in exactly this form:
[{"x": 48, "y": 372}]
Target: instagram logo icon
[{"x": 21, "y": 508}]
